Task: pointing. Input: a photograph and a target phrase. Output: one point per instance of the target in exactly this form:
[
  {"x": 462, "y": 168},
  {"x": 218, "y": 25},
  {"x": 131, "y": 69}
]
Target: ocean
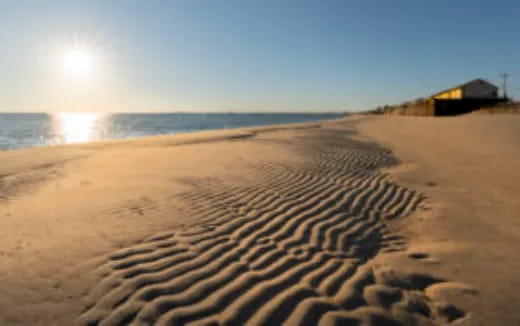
[{"x": 39, "y": 129}]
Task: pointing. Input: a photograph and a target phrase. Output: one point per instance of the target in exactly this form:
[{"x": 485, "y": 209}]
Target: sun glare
[
  {"x": 79, "y": 60},
  {"x": 75, "y": 127}
]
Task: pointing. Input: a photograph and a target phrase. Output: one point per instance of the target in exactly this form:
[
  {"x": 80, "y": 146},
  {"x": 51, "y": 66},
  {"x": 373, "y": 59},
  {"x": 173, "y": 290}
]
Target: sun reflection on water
[{"x": 72, "y": 128}]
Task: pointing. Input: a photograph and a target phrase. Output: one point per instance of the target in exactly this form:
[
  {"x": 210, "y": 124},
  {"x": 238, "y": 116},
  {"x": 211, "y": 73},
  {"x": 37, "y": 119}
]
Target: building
[
  {"x": 464, "y": 98},
  {"x": 460, "y": 99},
  {"x": 475, "y": 89}
]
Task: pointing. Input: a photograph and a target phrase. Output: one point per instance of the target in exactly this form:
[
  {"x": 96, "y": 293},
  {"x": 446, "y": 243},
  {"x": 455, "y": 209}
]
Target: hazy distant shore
[{"x": 312, "y": 223}]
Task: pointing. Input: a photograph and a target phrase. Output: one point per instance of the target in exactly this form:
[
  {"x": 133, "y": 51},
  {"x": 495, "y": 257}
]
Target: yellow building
[
  {"x": 475, "y": 89},
  {"x": 456, "y": 100}
]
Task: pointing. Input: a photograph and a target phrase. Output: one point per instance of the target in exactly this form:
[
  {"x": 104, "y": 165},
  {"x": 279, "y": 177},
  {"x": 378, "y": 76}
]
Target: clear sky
[{"x": 240, "y": 55}]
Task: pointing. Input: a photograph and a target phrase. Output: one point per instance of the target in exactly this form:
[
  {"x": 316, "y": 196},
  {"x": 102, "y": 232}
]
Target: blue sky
[{"x": 281, "y": 55}]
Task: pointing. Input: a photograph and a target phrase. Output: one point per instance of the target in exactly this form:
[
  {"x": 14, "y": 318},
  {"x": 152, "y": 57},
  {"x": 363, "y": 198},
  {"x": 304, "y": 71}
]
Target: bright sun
[{"x": 79, "y": 60}]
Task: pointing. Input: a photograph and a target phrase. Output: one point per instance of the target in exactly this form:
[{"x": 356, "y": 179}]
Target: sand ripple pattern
[{"x": 292, "y": 248}]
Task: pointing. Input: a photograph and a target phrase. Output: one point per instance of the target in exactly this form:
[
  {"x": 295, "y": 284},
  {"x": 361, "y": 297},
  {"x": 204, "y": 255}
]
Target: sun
[{"x": 79, "y": 60}]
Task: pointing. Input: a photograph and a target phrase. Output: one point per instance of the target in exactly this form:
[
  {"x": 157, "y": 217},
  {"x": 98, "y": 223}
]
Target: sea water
[{"x": 37, "y": 129}]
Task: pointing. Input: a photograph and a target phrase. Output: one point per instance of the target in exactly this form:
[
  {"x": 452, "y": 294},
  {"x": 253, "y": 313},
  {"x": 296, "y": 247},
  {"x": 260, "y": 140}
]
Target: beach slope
[
  {"x": 469, "y": 167},
  {"x": 317, "y": 223}
]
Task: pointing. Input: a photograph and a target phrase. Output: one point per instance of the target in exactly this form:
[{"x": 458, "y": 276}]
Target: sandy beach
[{"x": 368, "y": 220}]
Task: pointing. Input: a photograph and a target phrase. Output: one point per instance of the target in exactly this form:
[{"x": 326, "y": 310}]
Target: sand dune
[{"x": 295, "y": 225}]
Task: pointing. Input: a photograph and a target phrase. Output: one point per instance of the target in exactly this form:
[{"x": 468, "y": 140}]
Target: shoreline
[
  {"x": 88, "y": 226},
  {"x": 184, "y": 132}
]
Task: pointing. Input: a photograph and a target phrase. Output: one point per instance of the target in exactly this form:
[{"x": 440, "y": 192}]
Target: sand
[
  {"x": 366, "y": 220},
  {"x": 469, "y": 167}
]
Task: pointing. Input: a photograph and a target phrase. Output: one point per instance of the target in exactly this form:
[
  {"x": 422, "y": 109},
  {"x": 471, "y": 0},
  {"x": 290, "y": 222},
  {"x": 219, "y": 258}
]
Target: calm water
[{"x": 28, "y": 130}]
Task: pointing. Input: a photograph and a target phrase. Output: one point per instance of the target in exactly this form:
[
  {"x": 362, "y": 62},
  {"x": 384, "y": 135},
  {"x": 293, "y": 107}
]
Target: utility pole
[{"x": 504, "y": 83}]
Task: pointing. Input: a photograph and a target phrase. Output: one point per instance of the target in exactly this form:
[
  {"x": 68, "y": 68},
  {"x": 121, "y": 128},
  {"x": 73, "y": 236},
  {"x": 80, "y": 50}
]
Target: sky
[{"x": 249, "y": 56}]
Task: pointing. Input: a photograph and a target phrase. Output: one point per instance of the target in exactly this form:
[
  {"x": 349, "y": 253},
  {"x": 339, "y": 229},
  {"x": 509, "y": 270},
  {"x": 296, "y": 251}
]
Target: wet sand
[{"x": 309, "y": 224}]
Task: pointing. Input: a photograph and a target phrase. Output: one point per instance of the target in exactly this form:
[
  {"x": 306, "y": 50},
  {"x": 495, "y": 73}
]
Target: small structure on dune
[
  {"x": 475, "y": 89},
  {"x": 460, "y": 99}
]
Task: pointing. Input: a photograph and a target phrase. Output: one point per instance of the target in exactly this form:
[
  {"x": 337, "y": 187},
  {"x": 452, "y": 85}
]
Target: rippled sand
[{"x": 299, "y": 225}]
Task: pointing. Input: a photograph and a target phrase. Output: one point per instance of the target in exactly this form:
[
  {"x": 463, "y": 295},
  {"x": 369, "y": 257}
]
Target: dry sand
[
  {"x": 469, "y": 167},
  {"x": 299, "y": 224}
]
